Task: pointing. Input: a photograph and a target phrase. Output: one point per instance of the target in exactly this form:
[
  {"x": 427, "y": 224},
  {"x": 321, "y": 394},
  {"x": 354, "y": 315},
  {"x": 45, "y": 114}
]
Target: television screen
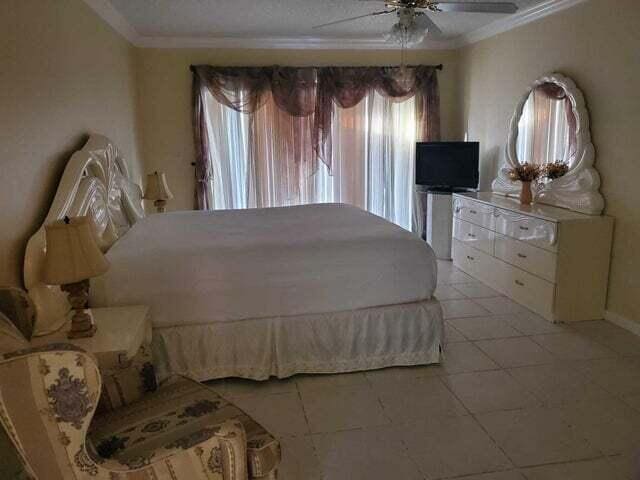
[{"x": 447, "y": 165}]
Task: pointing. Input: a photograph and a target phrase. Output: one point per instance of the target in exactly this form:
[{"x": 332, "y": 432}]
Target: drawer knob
[
  {"x": 470, "y": 257},
  {"x": 524, "y": 228},
  {"x": 471, "y": 235},
  {"x": 518, "y": 282},
  {"x": 522, "y": 255}
]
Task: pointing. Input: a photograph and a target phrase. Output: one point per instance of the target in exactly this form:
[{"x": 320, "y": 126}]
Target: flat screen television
[{"x": 447, "y": 165}]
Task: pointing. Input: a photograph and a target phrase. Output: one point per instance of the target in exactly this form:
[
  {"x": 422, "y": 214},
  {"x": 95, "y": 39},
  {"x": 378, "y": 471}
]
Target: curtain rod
[{"x": 437, "y": 67}]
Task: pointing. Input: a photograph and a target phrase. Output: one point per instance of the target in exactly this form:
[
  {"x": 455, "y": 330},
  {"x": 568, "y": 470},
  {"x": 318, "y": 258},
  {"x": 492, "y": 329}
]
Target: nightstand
[
  {"x": 122, "y": 347},
  {"x": 122, "y": 332}
]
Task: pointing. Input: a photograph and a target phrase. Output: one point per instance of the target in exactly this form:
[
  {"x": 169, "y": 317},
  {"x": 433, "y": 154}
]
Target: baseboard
[{"x": 623, "y": 322}]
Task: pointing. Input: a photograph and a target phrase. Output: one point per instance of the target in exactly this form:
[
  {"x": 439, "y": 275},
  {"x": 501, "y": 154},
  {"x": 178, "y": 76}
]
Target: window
[{"x": 256, "y": 159}]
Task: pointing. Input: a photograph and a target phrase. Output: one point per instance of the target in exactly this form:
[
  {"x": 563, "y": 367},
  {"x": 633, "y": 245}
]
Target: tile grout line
[
  {"x": 405, "y": 448},
  {"x": 380, "y": 402},
  {"x": 481, "y": 427},
  {"x": 554, "y": 357},
  {"x": 477, "y": 421},
  {"x": 306, "y": 419},
  {"x": 615, "y": 355},
  {"x": 545, "y": 405},
  {"x": 369, "y": 382}
]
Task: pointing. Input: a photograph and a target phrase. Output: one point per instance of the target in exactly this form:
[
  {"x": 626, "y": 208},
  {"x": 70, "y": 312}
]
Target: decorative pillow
[
  {"x": 16, "y": 304},
  {"x": 10, "y": 337}
]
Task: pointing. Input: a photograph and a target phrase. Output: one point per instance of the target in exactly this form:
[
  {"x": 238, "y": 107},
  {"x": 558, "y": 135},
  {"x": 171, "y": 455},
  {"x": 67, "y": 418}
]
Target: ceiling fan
[{"x": 413, "y": 21}]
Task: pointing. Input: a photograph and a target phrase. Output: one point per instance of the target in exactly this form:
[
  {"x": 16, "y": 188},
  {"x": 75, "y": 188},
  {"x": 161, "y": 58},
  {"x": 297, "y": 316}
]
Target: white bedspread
[{"x": 195, "y": 268}]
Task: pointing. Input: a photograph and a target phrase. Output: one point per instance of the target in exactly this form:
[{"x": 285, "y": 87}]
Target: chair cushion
[
  {"x": 178, "y": 415},
  {"x": 10, "y": 337}
]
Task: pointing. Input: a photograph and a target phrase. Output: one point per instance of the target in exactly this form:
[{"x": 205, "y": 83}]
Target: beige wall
[
  {"x": 165, "y": 98},
  {"x": 63, "y": 73},
  {"x": 597, "y": 44}
]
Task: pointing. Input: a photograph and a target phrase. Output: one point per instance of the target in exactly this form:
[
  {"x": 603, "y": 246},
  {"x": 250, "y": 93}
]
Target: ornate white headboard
[{"x": 95, "y": 182}]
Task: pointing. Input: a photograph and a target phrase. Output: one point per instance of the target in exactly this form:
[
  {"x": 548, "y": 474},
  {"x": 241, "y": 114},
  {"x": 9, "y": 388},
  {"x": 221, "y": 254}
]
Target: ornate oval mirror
[
  {"x": 550, "y": 128},
  {"x": 547, "y": 128}
]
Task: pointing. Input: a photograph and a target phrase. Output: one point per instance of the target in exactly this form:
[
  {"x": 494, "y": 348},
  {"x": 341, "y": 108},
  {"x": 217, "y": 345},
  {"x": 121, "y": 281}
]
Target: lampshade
[
  {"x": 72, "y": 252},
  {"x": 157, "y": 188}
]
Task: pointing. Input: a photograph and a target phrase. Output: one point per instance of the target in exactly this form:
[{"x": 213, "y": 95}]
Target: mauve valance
[
  {"x": 305, "y": 91},
  {"x": 347, "y": 86},
  {"x": 244, "y": 89}
]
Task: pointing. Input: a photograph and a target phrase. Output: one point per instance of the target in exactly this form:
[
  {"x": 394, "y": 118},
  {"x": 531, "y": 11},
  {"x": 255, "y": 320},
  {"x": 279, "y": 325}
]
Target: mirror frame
[{"x": 579, "y": 188}]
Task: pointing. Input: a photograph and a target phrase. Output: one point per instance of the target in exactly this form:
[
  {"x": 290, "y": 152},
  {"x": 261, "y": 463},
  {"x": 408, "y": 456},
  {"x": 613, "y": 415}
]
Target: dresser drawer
[
  {"x": 474, "y": 212},
  {"x": 532, "y": 292},
  {"x": 528, "y": 229},
  {"x": 474, "y": 262},
  {"x": 541, "y": 263},
  {"x": 473, "y": 235}
]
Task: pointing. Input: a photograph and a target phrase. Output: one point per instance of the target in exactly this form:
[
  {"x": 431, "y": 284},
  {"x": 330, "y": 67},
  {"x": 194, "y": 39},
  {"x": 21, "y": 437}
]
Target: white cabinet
[
  {"x": 439, "y": 223},
  {"x": 551, "y": 260}
]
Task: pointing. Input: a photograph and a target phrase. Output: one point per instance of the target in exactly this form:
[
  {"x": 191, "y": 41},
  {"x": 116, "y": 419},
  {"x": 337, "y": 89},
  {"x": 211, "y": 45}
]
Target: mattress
[{"x": 194, "y": 268}]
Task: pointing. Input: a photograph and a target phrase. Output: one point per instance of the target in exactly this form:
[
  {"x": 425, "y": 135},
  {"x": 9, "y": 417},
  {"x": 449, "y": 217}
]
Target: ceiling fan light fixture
[{"x": 406, "y": 34}]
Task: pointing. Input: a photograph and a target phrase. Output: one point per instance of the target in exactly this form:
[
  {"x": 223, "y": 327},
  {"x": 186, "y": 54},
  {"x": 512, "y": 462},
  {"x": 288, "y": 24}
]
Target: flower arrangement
[
  {"x": 555, "y": 170},
  {"x": 525, "y": 172}
]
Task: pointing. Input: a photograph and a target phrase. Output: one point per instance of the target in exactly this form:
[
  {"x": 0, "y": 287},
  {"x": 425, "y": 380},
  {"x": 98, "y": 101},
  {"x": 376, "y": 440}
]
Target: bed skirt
[{"x": 394, "y": 335}]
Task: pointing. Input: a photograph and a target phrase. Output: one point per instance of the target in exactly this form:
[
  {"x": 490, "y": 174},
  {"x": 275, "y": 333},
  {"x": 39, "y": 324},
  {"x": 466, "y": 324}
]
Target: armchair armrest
[{"x": 215, "y": 452}]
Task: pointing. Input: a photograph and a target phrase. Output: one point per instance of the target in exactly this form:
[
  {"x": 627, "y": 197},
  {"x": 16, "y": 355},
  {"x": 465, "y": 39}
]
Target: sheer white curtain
[
  {"x": 543, "y": 130},
  {"x": 372, "y": 165}
]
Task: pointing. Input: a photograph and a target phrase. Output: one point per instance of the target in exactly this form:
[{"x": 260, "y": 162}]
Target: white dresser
[{"x": 551, "y": 260}]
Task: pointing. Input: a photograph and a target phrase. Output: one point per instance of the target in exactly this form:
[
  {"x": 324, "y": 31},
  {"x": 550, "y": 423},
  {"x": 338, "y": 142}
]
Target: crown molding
[
  {"x": 285, "y": 43},
  {"x": 119, "y": 23},
  {"x": 115, "y": 19},
  {"x": 516, "y": 20}
]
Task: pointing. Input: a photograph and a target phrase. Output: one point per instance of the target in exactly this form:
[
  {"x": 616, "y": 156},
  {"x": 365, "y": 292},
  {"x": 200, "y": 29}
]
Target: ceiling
[{"x": 291, "y": 19}]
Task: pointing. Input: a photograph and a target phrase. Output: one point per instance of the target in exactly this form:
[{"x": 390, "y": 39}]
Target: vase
[{"x": 526, "y": 197}]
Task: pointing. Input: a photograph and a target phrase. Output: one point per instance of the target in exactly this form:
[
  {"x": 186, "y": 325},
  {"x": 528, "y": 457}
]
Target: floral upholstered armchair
[{"x": 183, "y": 430}]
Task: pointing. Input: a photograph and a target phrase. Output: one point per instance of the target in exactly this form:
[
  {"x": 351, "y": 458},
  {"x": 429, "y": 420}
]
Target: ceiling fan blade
[
  {"x": 423, "y": 21},
  {"x": 374, "y": 14},
  {"x": 481, "y": 7}
]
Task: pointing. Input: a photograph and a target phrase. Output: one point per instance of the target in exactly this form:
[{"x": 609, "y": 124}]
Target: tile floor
[{"x": 516, "y": 398}]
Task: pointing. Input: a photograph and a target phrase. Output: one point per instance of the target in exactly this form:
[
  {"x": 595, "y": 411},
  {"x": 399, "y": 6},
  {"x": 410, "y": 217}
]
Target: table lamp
[
  {"x": 158, "y": 190},
  {"x": 71, "y": 259}
]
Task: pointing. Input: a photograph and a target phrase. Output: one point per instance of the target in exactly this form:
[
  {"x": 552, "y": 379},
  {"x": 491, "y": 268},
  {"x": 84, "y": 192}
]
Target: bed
[{"x": 251, "y": 293}]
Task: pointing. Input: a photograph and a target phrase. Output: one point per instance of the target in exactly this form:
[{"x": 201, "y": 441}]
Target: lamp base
[
  {"x": 82, "y": 325},
  {"x": 160, "y": 204}
]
